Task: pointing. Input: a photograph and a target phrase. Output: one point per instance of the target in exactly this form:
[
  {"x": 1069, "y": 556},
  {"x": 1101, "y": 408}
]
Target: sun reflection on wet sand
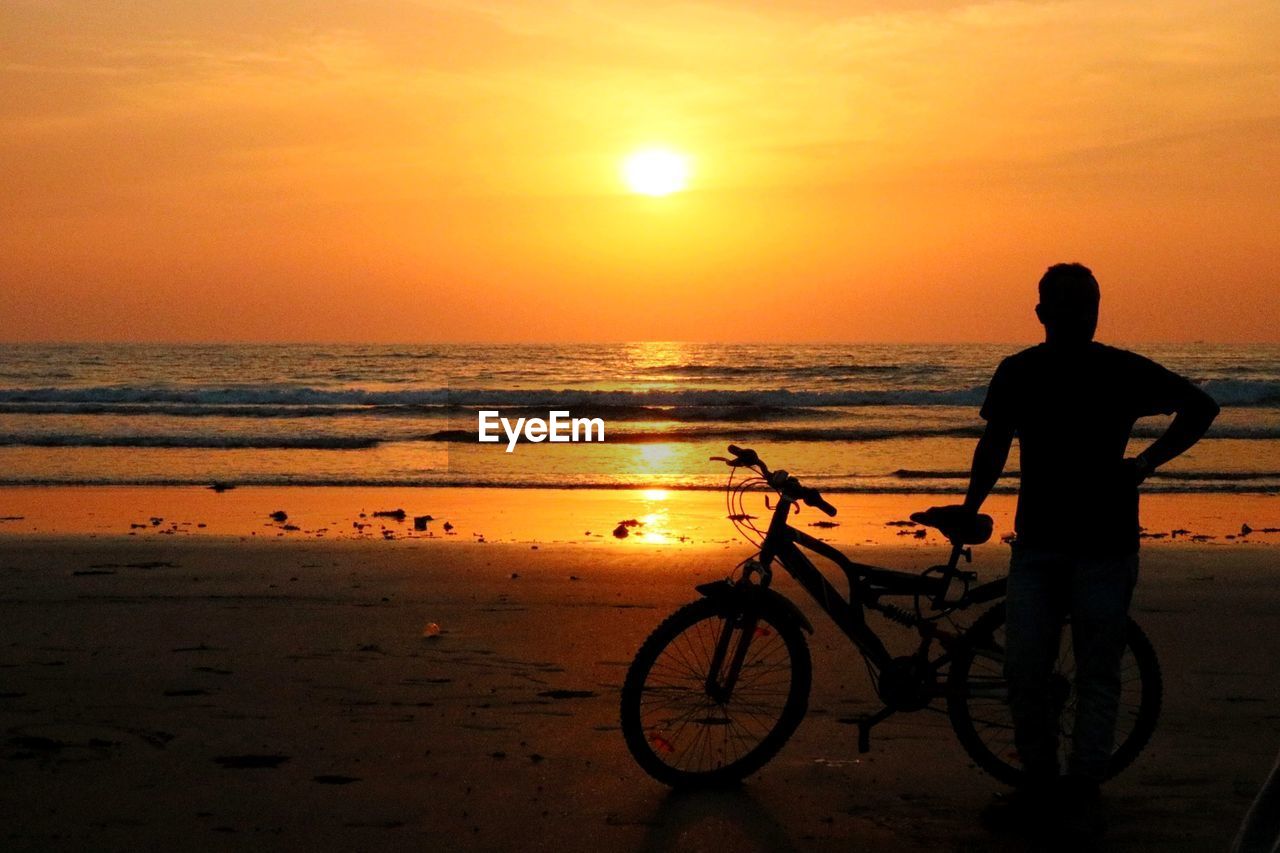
[
  {"x": 656, "y": 529},
  {"x": 581, "y": 517},
  {"x": 656, "y": 521}
]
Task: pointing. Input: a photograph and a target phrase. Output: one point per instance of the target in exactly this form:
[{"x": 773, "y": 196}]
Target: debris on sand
[
  {"x": 900, "y": 523},
  {"x": 741, "y": 516},
  {"x": 623, "y": 530},
  {"x": 222, "y": 487},
  {"x": 280, "y": 516},
  {"x": 397, "y": 514},
  {"x": 1180, "y": 532},
  {"x": 825, "y": 524}
]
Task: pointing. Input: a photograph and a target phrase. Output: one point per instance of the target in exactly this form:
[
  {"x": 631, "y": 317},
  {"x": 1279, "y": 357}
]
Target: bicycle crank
[{"x": 903, "y": 684}]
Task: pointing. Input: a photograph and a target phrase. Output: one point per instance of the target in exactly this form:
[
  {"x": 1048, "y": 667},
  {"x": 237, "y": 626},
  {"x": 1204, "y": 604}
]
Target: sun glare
[{"x": 656, "y": 171}]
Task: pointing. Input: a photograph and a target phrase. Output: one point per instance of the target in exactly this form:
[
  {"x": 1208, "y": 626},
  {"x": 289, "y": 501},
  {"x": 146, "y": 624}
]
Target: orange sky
[{"x": 416, "y": 170}]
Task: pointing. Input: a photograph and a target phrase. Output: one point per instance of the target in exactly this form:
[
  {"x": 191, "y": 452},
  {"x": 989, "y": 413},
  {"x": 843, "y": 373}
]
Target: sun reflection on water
[{"x": 656, "y": 455}]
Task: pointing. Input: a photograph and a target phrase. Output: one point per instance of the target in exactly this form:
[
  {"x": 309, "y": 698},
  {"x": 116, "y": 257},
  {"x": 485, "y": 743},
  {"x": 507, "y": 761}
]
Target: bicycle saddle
[{"x": 956, "y": 523}]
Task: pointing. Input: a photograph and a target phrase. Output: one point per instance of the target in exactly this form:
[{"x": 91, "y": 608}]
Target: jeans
[{"x": 1044, "y": 588}]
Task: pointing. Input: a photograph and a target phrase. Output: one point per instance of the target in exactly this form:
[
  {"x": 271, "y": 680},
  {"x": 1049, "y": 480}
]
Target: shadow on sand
[{"x": 715, "y": 819}]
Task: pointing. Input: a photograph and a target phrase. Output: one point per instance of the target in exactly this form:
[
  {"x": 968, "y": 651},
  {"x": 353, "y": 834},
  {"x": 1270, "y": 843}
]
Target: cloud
[{"x": 478, "y": 140}]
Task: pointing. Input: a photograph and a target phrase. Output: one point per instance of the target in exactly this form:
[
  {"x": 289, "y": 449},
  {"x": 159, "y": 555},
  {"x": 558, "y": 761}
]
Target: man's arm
[
  {"x": 988, "y": 462},
  {"x": 1193, "y": 415}
]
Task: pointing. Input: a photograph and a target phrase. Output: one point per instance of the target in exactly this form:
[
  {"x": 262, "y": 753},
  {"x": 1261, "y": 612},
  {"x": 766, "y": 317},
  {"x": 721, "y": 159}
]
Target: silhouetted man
[{"x": 1072, "y": 404}]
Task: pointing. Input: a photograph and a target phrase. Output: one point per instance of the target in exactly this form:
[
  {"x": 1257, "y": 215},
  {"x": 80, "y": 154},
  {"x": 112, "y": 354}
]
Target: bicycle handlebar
[{"x": 789, "y": 487}]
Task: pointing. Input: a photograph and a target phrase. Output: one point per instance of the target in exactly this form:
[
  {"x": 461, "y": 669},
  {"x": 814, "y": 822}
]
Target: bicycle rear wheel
[
  {"x": 680, "y": 728},
  {"x": 977, "y": 698}
]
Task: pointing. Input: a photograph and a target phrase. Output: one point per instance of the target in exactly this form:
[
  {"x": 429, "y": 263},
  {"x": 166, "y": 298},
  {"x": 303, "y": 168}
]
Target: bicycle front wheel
[
  {"x": 977, "y": 698},
  {"x": 679, "y": 722}
]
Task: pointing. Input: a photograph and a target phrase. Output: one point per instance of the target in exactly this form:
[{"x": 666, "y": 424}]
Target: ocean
[{"x": 846, "y": 418}]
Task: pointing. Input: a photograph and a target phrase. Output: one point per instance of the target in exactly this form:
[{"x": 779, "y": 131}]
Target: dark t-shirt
[{"x": 1073, "y": 407}]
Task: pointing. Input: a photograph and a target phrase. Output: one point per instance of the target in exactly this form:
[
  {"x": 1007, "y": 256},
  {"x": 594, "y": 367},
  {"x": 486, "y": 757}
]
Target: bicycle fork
[{"x": 721, "y": 680}]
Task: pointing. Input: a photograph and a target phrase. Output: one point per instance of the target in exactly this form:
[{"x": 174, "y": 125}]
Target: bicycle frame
[
  {"x": 913, "y": 684},
  {"x": 867, "y": 584}
]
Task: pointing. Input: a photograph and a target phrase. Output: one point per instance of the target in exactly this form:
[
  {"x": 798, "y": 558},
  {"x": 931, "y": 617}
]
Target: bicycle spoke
[
  {"x": 988, "y": 718},
  {"x": 693, "y": 731}
]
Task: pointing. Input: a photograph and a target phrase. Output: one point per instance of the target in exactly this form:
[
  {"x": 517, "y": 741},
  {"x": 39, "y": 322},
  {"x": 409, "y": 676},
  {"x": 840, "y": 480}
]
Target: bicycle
[{"x": 720, "y": 685}]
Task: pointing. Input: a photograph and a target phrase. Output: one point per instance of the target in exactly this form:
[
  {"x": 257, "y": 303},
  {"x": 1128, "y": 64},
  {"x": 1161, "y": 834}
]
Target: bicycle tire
[
  {"x": 1147, "y": 714},
  {"x": 640, "y": 680}
]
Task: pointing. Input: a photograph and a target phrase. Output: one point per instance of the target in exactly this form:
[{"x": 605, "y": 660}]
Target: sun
[{"x": 656, "y": 171}]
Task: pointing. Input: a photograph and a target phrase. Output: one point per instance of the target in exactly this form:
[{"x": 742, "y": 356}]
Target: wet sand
[
  {"x": 203, "y": 693},
  {"x": 570, "y": 516}
]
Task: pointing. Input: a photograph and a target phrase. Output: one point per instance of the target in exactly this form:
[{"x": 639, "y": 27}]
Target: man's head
[{"x": 1068, "y": 303}]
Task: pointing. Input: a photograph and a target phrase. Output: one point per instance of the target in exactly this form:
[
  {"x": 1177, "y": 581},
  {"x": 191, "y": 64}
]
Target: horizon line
[{"x": 614, "y": 342}]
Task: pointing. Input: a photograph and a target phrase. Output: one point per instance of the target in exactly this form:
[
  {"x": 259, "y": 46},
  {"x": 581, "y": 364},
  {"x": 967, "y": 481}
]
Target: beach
[
  {"x": 203, "y": 690},
  {"x": 280, "y": 597},
  {"x": 378, "y": 379}
]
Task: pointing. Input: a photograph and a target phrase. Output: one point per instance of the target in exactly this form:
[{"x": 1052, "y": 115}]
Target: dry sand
[{"x": 206, "y": 693}]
